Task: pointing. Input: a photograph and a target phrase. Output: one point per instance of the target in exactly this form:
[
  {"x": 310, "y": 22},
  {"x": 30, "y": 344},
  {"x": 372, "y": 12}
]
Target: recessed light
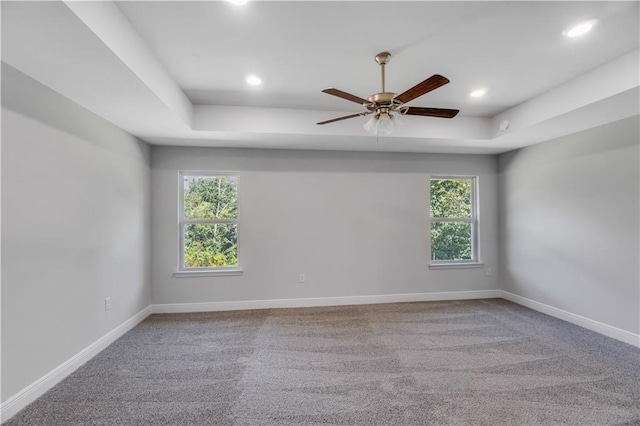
[
  {"x": 478, "y": 93},
  {"x": 580, "y": 29},
  {"x": 254, "y": 80},
  {"x": 238, "y": 2}
]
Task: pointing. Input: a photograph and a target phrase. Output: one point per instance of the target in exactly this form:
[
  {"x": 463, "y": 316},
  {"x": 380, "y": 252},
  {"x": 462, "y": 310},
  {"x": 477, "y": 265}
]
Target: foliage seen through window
[
  {"x": 452, "y": 219},
  {"x": 210, "y": 219}
]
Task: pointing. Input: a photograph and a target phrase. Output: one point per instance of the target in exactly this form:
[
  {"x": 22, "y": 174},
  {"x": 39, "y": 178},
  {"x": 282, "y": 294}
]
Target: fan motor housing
[{"x": 382, "y": 98}]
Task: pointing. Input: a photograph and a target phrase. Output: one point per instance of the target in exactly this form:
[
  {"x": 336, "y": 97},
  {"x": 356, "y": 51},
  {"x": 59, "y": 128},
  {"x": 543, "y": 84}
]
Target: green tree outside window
[
  {"x": 210, "y": 221},
  {"x": 452, "y": 219}
]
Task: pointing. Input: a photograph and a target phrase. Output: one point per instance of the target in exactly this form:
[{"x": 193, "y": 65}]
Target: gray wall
[
  {"x": 569, "y": 213},
  {"x": 75, "y": 229},
  {"x": 354, "y": 223}
]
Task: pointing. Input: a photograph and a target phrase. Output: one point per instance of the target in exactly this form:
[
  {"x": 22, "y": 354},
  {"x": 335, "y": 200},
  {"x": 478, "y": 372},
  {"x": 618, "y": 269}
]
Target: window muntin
[
  {"x": 208, "y": 221},
  {"x": 454, "y": 224}
]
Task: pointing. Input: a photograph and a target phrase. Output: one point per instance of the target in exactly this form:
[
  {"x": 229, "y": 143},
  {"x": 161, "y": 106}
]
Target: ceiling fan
[{"x": 382, "y": 105}]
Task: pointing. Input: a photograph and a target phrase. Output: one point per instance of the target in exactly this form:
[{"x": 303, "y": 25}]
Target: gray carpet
[{"x": 481, "y": 362}]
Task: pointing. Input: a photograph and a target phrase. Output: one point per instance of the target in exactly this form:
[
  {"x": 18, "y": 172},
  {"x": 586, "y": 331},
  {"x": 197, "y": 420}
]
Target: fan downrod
[{"x": 382, "y": 58}]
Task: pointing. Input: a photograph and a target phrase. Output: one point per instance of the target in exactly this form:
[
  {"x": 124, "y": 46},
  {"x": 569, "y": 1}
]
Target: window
[
  {"x": 454, "y": 223},
  {"x": 208, "y": 222}
]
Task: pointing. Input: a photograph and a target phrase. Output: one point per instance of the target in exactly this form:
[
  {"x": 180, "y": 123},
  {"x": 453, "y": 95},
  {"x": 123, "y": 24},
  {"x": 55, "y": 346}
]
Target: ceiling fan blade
[
  {"x": 343, "y": 118},
  {"x": 344, "y": 95},
  {"x": 432, "y": 112},
  {"x": 432, "y": 83}
]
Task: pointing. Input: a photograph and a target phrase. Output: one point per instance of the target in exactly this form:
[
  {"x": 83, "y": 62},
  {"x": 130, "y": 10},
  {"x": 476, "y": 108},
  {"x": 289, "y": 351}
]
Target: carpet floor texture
[{"x": 478, "y": 362}]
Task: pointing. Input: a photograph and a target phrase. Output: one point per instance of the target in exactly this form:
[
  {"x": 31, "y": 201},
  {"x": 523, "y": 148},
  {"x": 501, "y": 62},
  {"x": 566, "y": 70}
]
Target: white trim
[
  {"x": 208, "y": 273},
  {"x": 322, "y": 301},
  {"x": 210, "y": 221},
  {"x": 588, "y": 323},
  {"x": 36, "y": 389},
  {"x": 451, "y": 219},
  {"x": 456, "y": 265},
  {"x": 474, "y": 220},
  {"x": 182, "y": 222}
]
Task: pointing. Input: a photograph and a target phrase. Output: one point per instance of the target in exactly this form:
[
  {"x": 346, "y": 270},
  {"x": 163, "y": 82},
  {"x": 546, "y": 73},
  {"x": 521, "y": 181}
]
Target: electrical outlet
[
  {"x": 489, "y": 272},
  {"x": 107, "y": 304},
  {"x": 301, "y": 278}
]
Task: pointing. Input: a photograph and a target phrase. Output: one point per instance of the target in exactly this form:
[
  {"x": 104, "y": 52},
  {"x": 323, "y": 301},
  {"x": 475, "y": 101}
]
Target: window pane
[
  {"x": 210, "y": 197},
  {"x": 451, "y": 241},
  {"x": 451, "y": 198},
  {"x": 208, "y": 245}
]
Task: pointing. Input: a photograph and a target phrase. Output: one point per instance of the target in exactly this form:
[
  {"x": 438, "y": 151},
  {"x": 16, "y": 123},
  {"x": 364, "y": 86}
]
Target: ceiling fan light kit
[
  {"x": 381, "y": 125},
  {"x": 383, "y": 104}
]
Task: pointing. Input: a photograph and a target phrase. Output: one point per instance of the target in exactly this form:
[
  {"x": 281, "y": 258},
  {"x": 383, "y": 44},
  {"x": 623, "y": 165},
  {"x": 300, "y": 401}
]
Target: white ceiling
[{"x": 173, "y": 72}]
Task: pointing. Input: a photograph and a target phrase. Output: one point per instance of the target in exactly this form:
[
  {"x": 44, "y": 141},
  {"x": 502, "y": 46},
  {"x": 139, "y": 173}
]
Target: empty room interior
[{"x": 324, "y": 212}]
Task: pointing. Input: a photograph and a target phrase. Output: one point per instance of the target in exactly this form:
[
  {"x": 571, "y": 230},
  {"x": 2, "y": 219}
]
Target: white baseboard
[
  {"x": 322, "y": 301},
  {"x": 589, "y": 324},
  {"x": 29, "y": 394}
]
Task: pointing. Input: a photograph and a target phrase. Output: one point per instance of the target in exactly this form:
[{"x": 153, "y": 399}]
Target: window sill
[
  {"x": 466, "y": 265},
  {"x": 208, "y": 273}
]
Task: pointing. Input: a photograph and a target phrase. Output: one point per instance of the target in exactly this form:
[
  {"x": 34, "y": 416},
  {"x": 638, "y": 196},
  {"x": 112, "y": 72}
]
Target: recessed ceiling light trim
[
  {"x": 254, "y": 80},
  {"x": 580, "y": 29},
  {"x": 478, "y": 93},
  {"x": 238, "y": 2}
]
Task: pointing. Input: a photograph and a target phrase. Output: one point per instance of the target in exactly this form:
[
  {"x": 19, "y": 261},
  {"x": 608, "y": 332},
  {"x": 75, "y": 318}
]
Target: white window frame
[
  {"x": 474, "y": 262},
  {"x": 182, "y": 222}
]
